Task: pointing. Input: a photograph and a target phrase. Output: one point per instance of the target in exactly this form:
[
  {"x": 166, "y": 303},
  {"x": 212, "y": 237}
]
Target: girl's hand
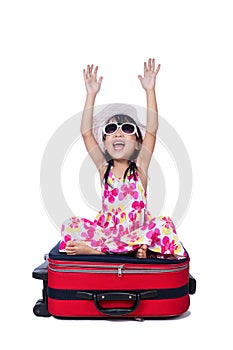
[
  {"x": 148, "y": 81},
  {"x": 90, "y": 78}
]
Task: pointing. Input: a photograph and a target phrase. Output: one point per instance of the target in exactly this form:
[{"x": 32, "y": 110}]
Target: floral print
[{"x": 124, "y": 223}]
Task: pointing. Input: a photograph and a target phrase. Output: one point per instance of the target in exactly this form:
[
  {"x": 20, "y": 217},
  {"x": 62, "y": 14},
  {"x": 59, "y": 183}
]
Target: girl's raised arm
[
  {"x": 148, "y": 84},
  {"x": 92, "y": 87}
]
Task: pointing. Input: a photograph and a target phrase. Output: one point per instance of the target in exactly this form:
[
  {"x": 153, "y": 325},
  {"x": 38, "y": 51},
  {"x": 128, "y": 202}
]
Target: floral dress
[{"x": 124, "y": 223}]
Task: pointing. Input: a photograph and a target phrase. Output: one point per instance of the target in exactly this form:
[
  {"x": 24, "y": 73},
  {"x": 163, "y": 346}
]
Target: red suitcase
[{"x": 113, "y": 286}]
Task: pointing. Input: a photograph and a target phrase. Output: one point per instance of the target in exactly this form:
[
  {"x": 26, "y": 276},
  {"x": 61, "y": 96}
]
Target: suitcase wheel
[{"x": 40, "y": 309}]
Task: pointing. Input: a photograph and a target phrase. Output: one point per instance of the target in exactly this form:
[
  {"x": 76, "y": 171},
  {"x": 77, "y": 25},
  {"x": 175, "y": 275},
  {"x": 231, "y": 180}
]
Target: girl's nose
[{"x": 119, "y": 133}]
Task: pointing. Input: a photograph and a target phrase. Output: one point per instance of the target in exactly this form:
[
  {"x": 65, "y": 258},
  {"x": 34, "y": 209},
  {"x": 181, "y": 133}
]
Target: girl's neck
[
  {"x": 119, "y": 166},
  {"x": 120, "y": 163}
]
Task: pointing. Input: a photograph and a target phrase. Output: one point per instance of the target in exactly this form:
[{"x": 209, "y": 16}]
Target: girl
[{"x": 124, "y": 224}]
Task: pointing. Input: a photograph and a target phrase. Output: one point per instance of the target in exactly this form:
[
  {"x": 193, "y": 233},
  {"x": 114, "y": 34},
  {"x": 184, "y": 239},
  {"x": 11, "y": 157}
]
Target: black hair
[{"x": 120, "y": 119}]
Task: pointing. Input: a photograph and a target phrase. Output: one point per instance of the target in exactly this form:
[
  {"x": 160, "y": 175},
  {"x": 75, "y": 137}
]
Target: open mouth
[{"x": 118, "y": 145}]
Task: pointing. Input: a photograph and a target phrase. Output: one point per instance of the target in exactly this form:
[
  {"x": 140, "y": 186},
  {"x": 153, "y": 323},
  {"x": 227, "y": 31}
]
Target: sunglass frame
[{"x": 119, "y": 126}]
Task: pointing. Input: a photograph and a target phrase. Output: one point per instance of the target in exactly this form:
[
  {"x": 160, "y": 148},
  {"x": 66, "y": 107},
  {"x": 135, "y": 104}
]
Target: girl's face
[{"x": 119, "y": 145}]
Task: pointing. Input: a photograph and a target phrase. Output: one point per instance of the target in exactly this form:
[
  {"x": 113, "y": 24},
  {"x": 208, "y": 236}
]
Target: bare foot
[
  {"x": 78, "y": 247},
  {"x": 141, "y": 252},
  {"x": 166, "y": 256},
  {"x": 153, "y": 255}
]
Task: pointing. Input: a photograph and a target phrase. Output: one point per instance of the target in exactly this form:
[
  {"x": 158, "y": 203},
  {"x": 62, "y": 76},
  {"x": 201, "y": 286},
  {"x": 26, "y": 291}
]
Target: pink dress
[{"x": 124, "y": 223}]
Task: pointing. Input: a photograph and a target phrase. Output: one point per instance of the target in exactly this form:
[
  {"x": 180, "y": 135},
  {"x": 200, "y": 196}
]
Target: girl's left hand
[
  {"x": 93, "y": 84},
  {"x": 148, "y": 81}
]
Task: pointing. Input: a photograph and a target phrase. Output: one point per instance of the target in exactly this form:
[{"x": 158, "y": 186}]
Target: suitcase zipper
[
  {"x": 112, "y": 267},
  {"x": 119, "y": 269},
  {"x": 87, "y": 266}
]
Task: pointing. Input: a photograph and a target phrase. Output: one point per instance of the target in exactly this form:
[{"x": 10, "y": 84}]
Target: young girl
[{"x": 124, "y": 225}]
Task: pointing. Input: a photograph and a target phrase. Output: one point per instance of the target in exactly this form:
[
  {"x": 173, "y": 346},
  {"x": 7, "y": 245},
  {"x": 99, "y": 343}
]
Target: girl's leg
[
  {"x": 80, "y": 236},
  {"x": 165, "y": 242}
]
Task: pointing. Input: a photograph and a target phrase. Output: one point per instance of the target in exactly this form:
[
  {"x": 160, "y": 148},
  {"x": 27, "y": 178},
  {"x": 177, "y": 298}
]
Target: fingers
[
  {"x": 157, "y": 69},
  {"x": 145, "y": 67},
  {"x": 89, "y": 72},
  {"x": 100, "y": 80},
  {"x": 153, "y": 64},
  {"x": 140, "y": 77},
  {"x": 95, "y": 71},
  {"x": 150, "y": 66},
  {"x": 89, "y": 69}
]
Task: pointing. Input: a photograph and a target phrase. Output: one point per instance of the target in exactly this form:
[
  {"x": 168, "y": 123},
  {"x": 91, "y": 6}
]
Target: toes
[
  {"x": 141, "y": 253},
  {"x": 70, "y": 244}
]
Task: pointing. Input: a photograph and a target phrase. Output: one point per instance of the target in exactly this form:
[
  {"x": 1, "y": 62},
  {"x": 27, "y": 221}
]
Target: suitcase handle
[{"x": 116, "y": 296}]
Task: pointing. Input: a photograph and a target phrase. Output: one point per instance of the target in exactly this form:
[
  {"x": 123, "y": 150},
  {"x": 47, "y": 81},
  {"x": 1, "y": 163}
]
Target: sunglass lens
[
  {"x": 110, "y": 128},
  {"x": 128, "y": 128}
]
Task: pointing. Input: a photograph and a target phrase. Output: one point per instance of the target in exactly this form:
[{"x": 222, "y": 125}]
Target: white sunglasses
[{"x": 126, "y": 128}]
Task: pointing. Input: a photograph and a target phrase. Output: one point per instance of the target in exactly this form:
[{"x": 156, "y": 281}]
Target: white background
[{"x": 44, "y": 47}]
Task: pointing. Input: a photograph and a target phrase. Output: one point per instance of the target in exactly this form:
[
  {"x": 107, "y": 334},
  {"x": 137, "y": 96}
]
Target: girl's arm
[
  {"x": 148, "y": 83},
  {"x": 92, "y": 87}
]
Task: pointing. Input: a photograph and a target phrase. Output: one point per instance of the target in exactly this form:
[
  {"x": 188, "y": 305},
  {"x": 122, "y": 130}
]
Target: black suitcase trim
[
  {"x": 134, "y": 296},
  {"x": 158, "y": 294}
]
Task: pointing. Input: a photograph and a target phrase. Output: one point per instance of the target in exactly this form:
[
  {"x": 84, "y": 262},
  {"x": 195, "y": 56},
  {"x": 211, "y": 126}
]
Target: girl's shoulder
[{"x": 139, "y": 173}]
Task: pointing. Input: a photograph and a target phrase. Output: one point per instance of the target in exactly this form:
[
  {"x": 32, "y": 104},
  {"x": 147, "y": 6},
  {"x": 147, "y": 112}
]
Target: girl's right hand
[{"x": 90, "y": 78}]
